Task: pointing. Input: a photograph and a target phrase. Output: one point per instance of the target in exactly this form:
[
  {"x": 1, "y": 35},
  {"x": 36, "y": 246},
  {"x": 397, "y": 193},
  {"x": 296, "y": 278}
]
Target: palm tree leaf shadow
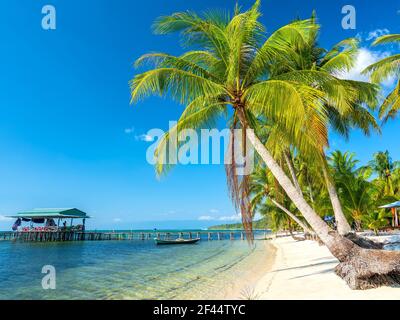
[{"x": 331, "y": 261}]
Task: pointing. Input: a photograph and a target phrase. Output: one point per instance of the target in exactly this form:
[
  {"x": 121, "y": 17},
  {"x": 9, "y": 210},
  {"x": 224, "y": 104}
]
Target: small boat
[{"x": 176, "y": 241}]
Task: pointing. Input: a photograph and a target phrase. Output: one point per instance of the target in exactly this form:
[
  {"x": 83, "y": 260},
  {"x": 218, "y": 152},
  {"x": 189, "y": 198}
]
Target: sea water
[{"x": 126, "y": 269}]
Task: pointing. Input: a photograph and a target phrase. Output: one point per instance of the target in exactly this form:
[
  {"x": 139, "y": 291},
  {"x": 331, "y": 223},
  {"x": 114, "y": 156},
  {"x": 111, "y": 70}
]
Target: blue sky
[{"x": 68, "y": 136}]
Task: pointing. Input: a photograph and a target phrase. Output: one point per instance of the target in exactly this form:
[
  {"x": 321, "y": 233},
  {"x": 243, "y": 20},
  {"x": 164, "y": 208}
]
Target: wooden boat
[{"x": 176, "y": 241}]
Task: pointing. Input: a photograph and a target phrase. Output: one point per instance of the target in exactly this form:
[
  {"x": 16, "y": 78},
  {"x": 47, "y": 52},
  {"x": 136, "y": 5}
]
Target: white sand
[{"x": 304, "y": 270}]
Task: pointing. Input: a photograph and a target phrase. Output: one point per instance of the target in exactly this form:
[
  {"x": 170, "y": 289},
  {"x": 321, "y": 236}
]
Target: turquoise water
[{"x": 126, "y": 269}]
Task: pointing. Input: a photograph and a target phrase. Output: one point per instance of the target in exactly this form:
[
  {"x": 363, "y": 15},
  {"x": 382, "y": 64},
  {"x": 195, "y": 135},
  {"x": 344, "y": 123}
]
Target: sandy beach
[{"x": 305, "y": 270}]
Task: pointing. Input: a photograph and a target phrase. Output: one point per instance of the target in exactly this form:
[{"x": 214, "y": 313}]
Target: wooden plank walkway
[{"x": 45, "y": 236}]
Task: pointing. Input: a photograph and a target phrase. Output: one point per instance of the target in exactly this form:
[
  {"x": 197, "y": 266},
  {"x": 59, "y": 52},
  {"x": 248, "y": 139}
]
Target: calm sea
[{"x": 126, "y": 269}]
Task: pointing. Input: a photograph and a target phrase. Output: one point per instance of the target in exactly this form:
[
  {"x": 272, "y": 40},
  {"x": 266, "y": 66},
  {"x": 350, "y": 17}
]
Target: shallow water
[{"x": 125, "y": 269}]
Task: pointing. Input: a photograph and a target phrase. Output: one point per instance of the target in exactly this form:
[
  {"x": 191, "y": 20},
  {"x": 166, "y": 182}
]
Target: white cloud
[
  {"x": 206, "y": 218},
  {"x": 145, "y": 137},
  {"x": 129, "y": 130},
  {"x": 372, "y": 35},
  {"x": 376, "y": 34},
  {"x": 117, "y": 220},
  {"x": 214, "y": 210},
  {"x": 140, "y": 137},
  {"x": 364, "y": 59},
  {"x": 235, "y": 217},
  {"x": 4, "y": 218}
]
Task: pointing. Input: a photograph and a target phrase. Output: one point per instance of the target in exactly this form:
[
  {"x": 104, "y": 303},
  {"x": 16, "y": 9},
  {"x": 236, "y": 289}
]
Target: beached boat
[{"x": 176, "y": 241}]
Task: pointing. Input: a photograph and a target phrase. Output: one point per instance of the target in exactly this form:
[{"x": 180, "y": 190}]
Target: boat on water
[{"x": 176, "y": 241}]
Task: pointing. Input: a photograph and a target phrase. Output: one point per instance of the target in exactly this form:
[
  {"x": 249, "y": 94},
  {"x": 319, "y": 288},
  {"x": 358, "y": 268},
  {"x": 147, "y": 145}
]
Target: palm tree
[
  {"x": 308, "y": 58},
  {"x": 383, "y": 165},
  {"x": 355, "y": 190},
  {"x": 314, "y": 184},
  {"x": 340, "y": 58},
  {"x": 384, "y": 69},
  {"x": 377, "y": 220},
  {"x": 276, "y": 219},
  {"x": 233, "y": 67},
  {"x": 396, "y": 182},
  {"x": 266, "y": 195}
]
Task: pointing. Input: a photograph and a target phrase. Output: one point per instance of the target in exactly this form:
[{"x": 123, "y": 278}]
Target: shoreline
[
  {"x": 239, "y": 280},
  {"x": 304, "y": 270},
  {"x": 245, "y": 288}
]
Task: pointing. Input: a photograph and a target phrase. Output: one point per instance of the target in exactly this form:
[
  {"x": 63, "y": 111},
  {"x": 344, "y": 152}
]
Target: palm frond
[
  {"x": 183, "y": 86},
  {"x": 337, "y": 92},
  {"x": 205, "y": 32},
  {"x": 389, "y": 38},
  {"x": 384, "y": 68},
  {"x": 341, "y": 57},
  {"x": 279, "y": 45},
  {"x": 202, "y": 113}
]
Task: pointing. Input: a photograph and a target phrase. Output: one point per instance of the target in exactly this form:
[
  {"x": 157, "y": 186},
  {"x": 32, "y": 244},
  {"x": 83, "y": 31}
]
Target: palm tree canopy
[
  {"x": 383, "y": 165},
  {"x": 384, "y": 69},
  {"x": 233, "y": 64}
]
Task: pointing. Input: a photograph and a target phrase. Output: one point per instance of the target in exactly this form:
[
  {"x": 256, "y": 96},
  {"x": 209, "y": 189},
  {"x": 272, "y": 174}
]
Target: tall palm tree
[
  {"x": 383, "y": 165},
  {"x": 314, "y": 186},
  {"x": 396, "y": 182},
  {"x": 340, "y": 58},
  {"x": 308, "y": 58},
  {"x": 234, "y": 67},
  {"x": 355, "y": 189},
  {"x": 384, "y": 69}
]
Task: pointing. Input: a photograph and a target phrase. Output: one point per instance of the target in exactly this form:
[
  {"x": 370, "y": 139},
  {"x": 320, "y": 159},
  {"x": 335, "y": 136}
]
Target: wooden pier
[{"x": 62, "y": 236}]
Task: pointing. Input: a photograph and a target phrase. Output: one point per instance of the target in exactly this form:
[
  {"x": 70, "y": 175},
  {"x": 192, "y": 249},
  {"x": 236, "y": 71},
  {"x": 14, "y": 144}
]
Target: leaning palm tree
[
  {"x": 235, "y": 71},
  {"x": 267, "y": 194},
  {"x": 340, "y": 58},
  {"x": 309, "y": 58},
  {"x": 384, "y": 69}
]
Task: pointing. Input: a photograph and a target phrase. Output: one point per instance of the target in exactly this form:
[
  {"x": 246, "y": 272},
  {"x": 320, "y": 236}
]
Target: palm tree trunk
[
  {"x": 315, "y": 221},
  {"x": 291, "y": 215},
  {"x": 289, "y": 163},
  {"x": 310, "y": 191},
  {"x": 360, "y": 268},
  {"x": 343, "y": 226}
]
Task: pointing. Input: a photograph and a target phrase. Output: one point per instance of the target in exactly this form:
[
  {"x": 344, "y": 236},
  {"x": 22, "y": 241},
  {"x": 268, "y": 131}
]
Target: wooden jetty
[
  {"x": 53, "y": 227},
  {"x": 62, "y": 236}
]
